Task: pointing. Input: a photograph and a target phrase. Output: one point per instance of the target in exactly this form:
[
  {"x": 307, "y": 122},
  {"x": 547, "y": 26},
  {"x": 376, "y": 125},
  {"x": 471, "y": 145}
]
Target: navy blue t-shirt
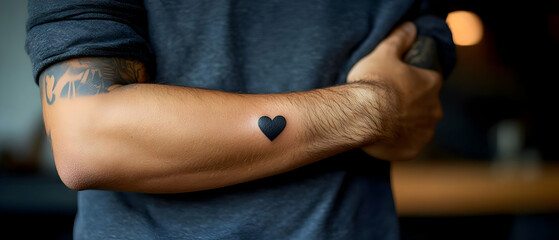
[{"x": 246, "y": 47}]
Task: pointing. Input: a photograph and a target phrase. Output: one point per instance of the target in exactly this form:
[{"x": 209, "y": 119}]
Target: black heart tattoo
[{"x": 271, "y": 128}]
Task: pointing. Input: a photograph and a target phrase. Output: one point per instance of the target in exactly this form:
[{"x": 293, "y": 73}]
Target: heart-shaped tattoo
[{"x": 271, "y": 128}]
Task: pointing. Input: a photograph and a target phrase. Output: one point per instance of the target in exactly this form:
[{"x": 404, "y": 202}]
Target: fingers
[{"x": 399, "y": 40}]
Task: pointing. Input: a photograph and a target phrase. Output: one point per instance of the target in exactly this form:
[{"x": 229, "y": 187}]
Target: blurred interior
[{"x": 491, "y": 171}]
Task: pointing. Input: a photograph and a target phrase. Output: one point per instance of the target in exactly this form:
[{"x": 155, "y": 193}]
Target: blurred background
[{"x": 491, "y": 171}]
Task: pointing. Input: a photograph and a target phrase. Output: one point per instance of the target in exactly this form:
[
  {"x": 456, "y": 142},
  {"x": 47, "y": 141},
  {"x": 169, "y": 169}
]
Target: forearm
[{"x": 156, "y": 138}]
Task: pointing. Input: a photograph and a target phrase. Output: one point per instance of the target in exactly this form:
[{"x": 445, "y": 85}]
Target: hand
[{"x": 413, "y": 96}]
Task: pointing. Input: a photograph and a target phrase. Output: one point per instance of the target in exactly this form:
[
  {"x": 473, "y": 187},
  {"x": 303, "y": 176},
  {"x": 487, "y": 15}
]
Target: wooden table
[{"x": 467, "y": 188}]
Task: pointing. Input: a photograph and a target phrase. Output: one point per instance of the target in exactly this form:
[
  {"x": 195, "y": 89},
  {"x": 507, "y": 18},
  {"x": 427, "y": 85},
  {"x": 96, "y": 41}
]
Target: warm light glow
[{"x": 466, "y": 27}]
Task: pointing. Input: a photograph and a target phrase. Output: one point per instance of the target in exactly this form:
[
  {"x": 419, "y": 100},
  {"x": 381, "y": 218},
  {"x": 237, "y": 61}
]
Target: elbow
[
  {"x": 80, "y": 136},
  {"x": 76, "y": 164},
  {"x": 74, "y": 176},
  {"x": 76, "y": 171}
]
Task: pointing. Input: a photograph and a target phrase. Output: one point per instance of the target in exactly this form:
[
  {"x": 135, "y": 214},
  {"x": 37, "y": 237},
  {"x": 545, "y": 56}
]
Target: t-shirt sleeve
[
  {"x": 61, "y": 30},
  {"x": 431, "y": 21}
]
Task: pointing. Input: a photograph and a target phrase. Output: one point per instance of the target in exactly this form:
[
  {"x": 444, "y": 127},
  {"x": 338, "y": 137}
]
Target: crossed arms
[{"x": 111, "y": 129}]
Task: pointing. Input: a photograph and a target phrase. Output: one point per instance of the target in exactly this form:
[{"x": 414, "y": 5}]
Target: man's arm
[{"x": 111, "y": 130}]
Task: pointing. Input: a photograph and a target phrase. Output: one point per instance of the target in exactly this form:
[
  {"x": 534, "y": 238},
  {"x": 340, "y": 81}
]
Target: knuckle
[
  {"x": 392, "y": 44},
  {"x": 435, "y": 79}
]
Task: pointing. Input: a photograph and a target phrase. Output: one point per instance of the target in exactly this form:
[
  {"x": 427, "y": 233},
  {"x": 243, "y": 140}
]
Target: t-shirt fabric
[{"x": 244, "y": 46}]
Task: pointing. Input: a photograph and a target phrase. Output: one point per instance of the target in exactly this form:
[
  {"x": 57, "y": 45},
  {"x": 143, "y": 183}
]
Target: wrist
[
  {"x": 378, "y": 103},
  {"x": 350, "y": 115}
]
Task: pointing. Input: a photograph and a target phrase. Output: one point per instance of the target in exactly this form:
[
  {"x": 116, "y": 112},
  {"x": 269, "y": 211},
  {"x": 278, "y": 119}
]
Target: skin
[
  {"x": 413, "y": 87},
  {"x": 111, "y": 129}
]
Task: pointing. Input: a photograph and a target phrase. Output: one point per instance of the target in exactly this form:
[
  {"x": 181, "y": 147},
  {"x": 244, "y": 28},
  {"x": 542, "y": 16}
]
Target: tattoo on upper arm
[
  {"x": 271, "y": 128},
  {"x": 88, "y": 76},
  {"x": 423, "y": 53}
]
